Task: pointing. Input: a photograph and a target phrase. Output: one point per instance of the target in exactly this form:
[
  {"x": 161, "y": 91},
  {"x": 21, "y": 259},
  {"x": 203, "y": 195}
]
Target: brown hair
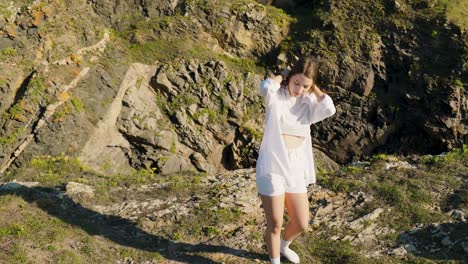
[{"x": 308, "y": 66}]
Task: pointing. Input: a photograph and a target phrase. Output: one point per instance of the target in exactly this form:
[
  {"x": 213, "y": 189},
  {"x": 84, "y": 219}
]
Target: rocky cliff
[{"x": 172, "y": 85}]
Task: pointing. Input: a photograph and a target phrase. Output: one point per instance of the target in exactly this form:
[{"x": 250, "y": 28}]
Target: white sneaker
[{"x": 288, "y": 253}]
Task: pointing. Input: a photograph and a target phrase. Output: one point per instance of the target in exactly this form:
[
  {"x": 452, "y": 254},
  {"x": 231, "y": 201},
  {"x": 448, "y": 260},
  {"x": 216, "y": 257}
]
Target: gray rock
[
  {"x": 410, "y": 247},
  {"x": 166, "y": 140},
  {"x": 399, "y": 165},
  {"x": 399, "y": 252},
  {"x": 465, "y": 247},
  {"x": 457, "y": 215},
  {"x": 446, "y": 241},
  {"x": 79, "y": 190},
  {"x": 174, "y": 163},
  {"x": 358, "y": 223},
  {"x": 163, "y": 83},
  {"x": 17, "y": 185},
  {"x": 199, "y": 162}
]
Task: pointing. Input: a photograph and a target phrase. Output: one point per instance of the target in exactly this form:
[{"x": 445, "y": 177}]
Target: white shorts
[{"x": 274, "y": 184}]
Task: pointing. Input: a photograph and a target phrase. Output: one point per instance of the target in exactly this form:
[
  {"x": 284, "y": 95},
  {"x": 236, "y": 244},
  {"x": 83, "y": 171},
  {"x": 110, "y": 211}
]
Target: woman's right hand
[{"x": 278, "y": 78}]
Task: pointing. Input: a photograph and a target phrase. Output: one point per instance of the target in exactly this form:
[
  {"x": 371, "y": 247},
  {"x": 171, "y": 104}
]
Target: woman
[{"x": 285, "y": 165}]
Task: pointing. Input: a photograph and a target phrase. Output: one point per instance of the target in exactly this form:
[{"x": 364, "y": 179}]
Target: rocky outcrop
[
  {"x": 398, "y": 85},
  {"x": 156, "y": 208}
]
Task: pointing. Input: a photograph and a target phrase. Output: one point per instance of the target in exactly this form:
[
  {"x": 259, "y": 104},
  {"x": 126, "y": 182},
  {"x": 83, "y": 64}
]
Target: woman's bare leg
[
  {"x": 273, "y": 207},
  {"x": 297, "y": 205}
]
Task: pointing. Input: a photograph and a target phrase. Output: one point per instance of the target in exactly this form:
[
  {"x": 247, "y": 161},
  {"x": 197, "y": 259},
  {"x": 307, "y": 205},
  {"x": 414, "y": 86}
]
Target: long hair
[{"x": 309, "y": 66}]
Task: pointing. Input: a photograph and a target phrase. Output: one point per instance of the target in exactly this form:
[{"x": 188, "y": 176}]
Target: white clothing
[
  {"x": 287, "y": 114},
  {"x": 293, "y": 122},
  {"x": 274, "y": 184}
]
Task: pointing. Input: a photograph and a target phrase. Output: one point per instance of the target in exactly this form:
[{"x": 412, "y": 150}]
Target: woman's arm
[
  {"x": 277, "y": 78},
  {"x": 321, "y": 105},
  {"x": 318, "y": 93},
  {"x": 269, "y": 87}
]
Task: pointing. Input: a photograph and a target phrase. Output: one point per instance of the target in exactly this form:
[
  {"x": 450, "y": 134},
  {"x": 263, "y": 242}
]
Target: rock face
[
  {"x": 384, "y": 82},
  {"x": 84, "y": 90}
]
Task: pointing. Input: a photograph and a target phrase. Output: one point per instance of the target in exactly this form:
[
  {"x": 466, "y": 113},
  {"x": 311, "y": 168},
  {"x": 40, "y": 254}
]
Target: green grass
[
  {"x": 4, "y": 11},
  {"x": 252, "y": 132},
  {"x": 77, "y": 104},
  {"x": 320, "y": 249},
  {"x": 205, "y": 221},
  {"x": 7, "y": 52},
  {"x": 408, "y": 191},
  {"x": 12, "y": 137},
  {"x": 165, "y": 50},
  {"x": 456, "y": 11}
]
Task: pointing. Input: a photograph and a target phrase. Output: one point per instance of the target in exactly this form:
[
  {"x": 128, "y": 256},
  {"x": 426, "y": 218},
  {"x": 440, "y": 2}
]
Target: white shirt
[
  {"x": 294, "y": 119},
  {"x": 286, "y": 114}
]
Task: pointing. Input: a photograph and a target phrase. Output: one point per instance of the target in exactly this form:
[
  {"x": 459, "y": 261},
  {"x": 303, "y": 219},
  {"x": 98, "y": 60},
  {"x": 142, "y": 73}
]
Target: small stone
[
  {"x": 465, "y": 247},
  {"x": 410, "y": 248},
  {"x": 78, "y": 190},
  {"x": 446, "y": 241},
  {"x": 399, "y": 252},
  {"x": 322, "y": 211},
  {"x": 457, "y": 215}
]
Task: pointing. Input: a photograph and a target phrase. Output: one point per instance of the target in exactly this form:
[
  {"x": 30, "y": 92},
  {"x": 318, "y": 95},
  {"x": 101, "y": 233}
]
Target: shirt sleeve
[
  {"x": 268, "y": 88},
  {"x": 319, "y": 110}
]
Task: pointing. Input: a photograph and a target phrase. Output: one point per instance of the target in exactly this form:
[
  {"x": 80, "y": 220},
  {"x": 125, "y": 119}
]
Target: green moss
[
  {"x": 4, "y": 11},
  {"x": 456, "y": 11},
  {"x": 338, "y": 184},
  {"x": 19, "y": 255},
  {"x": 15, "y": 110},
  {"x": 389, "y": 192},
  {"x": 49, "y": 170},
  {"x": 278, "y": 16},
  {"x": 36, "y": 90},
  {"x": 380, "y": 157},
  {"x": 175, "y": 103},
  {"x": 214, "y": 117},
  {"x": 173, "y": 147},
  {"x": 8, "y": 51},
  {"x": 167, "y": 49},
  {"x": 13, "y": 229},
  {"x": 11, "y": 138},
  {"x": 334, "y": 251},
  {"x": 68, "y": 257},
  {"x": 241, "y": 64},
  {"x": 454, "y": 156},
  {"x": 252, "y": 132},
  {"x": 77, "y": 104},
  {"x": 458, "y": 83}
]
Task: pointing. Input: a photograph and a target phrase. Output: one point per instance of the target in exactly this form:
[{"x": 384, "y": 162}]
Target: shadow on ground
[
  {"x": 120, "y": 230},
  {"x": 445, "y": 241}
]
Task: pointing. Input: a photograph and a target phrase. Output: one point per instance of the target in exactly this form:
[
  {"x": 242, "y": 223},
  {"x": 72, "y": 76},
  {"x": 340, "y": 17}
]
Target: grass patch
[
  {"x": 12, "y": 137},
  {"x": 410, "y": 192},
  {"x": 456, "y": 11},
  {"x": 77, "y": 104},
  {"x": 7, "y": 52},
  {"x": 26, "y": 230},
  {"x": 242, "y": 64},
  {"x": 319, "y": 249},
  {"x": 252, "y": 132},
  {"x": 167, "y": 50},
  {"x": 207, "y": 220}
]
